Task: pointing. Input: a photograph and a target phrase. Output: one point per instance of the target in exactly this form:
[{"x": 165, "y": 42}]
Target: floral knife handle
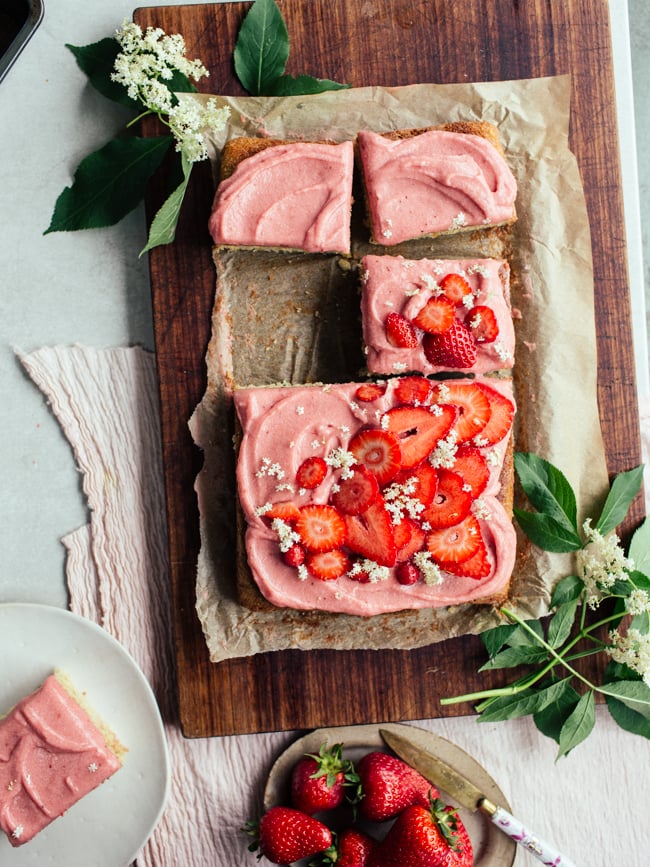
[{"x": 542, "y": 850}]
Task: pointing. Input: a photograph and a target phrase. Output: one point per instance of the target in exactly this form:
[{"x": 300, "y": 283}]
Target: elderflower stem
[{"x": 142, "y": 114}]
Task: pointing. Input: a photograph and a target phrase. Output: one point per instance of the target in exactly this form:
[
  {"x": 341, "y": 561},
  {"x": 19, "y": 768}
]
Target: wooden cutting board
[{"x": 389, "y": 43}]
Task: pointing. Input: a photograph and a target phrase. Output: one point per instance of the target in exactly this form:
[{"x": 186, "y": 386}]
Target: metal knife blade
[
  {"x": 434, "y": 769},
  {"x": 465, "y": 793}
]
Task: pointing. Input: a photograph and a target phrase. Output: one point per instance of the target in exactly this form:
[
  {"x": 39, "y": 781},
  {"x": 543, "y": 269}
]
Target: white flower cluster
[
  {"x": 633, "y": 650},
  {"x": 148, "y": 60},
  {"x": 601, "y": 563}
]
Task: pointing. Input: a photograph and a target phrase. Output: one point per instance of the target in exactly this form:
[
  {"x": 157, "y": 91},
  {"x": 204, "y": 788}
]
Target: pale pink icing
[
  {"x": 399, "y": 285},
  {"x": 295, "y": 196},
  {"x": 433, "y": 182},
  {"x": 283, "y": 426},
  {"x": 51, "y": 755}
]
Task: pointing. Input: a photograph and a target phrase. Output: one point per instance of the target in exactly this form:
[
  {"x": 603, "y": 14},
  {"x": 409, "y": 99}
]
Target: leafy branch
[
  {"x": 144, "y": 72},
  {"x": 553, "y": 691}
]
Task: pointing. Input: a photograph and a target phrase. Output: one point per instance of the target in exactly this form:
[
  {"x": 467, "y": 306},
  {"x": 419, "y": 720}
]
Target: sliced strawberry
[
  {"x": 356, "y": 492},
  {"x": 369, "y": 391},
  {"x": 285, "y": 510},
  {"x": 402, "y": 532},
  {"x": 413, "y": 390},
  {"x": 451, "y": 502},
  {"x": 477, "y": 566},
  {"x": 311, "y": 472},
  {"x": 415, "y": 543},
  {"x": 436, "y": 316},
  {"x": 400, "y": 332},
  {"x": 295, "y": 556},
  {"x": 419, "y": 430},
  {"x": 327, "y": 565},
  {"x": 482, "y": 322},
  {"x": 456, "y": 348},
  {"x": 370, "y": 534},
  {"x": 456, "y": 288},
  {"x": 473, "y": 406},
  {"x": 320, "y": 527},
  {"x": 379, "y": 451},
  {"x": 425, "y": 482},
  {"x": 407, "y": 573},
  {"x": 502, "y": 412},
  {"x": 457, "y": 543},
  {"x": 471, "y": 466}
]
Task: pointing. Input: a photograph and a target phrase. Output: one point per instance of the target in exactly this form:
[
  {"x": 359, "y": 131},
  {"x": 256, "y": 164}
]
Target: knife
[{"x": 468, "y": 795}]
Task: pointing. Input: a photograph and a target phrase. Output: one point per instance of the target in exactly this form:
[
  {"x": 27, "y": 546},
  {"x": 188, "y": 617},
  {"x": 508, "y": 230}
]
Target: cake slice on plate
[
  {"x": 53, "y": 751},
  {"x": 433, "y": 181},
  {"x": 368, "y": 498},
  {"x": 284, "y": 195},
  {"x": 435, "y": 315}
]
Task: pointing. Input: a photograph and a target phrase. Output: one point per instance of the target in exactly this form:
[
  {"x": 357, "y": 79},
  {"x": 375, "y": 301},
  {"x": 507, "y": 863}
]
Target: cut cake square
[
  {"x": 433, "y": 181},
  {"x": 53, "y": 751},
  {"x": 284, "y": 195},
  {"x": 435, "y": 315}
]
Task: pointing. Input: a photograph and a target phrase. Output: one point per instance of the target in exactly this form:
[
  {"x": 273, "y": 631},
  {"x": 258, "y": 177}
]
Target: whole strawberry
[
  {"x": 389, "y": 785},
  {"x": 351, "y": 848},
  {"x": 431, "y": 836},
  {"x": 284, "y": 835},
  {"x": 319, "y": 782}
]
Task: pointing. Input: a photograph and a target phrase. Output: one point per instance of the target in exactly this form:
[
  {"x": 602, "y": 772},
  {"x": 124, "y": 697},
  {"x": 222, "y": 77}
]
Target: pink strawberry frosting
[
  {"x": 437, "y": 181},
  {"x": 295, "y": 196},
  {"x": 51, "y": 755},
  {"x": 282, "y": 426},
  {"x": 395, "y": 284}
]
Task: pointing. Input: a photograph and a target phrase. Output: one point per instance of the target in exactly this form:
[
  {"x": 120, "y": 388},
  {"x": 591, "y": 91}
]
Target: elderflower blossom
[
  {"x": 148, "y": 60},
  {"x": 601, "y": 563},
  {"x": 633, "y": 650}
]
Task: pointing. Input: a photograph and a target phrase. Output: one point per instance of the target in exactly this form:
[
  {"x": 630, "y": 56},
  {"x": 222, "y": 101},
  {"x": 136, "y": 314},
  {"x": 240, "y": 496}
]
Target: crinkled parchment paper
[{"x": 295, "y": 318}]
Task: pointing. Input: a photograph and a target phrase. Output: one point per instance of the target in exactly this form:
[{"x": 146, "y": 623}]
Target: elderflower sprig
[
  {"x": 146, "y": 71},
  {"x": 604, "y": 608},
  {"x": 149, "y": 73}
]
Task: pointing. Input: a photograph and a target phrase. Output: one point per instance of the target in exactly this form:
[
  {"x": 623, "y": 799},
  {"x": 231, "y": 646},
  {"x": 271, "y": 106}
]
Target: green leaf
[
  {"x": 624, "y": 716},
  {"x": 547, "y": 533},
  {"x": 521, "y": 704},
  {"x": 552, "y": 717},
  {"x": 513, "y": 656},
  {"x": 262, "y": 47},
  {"x": 108, "y": 184},
  {"x": 624, "y": 489},
  {"x": 632, "y": 693},
  {"x": 640, "y": 548},
  {"x": 97, "y": 61},
  {"x": 578, "y": 725},
  {"x": 566, "y": 590},
  {"x": 547, "y": 489},
  {"x": 522, "y": 638},
  {"x": 559, "y": 627},
  {"x": 495, "y": 638},
  {"x": 287, "y": 85},
  {"x": 163, "y": 226}
]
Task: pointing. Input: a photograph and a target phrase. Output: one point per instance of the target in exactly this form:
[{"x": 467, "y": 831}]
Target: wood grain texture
[{"x": 389, "y": 43}]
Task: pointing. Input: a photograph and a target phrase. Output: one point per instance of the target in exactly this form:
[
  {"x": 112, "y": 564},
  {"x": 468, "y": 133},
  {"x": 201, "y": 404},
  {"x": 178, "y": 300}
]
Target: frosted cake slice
[
  {"x": 369, "y": 498},
  {"x": 427, "y": 182},
  {"x": 436, "y": 315},
  {"x": 284, "y": 195},
  {"x": 53, "y": 752}
]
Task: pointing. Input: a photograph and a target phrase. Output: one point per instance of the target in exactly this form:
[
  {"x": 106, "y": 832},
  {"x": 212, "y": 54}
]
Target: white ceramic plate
[
  {"x": 109, "y": 826},
  {"x": 491, "y": 847}
]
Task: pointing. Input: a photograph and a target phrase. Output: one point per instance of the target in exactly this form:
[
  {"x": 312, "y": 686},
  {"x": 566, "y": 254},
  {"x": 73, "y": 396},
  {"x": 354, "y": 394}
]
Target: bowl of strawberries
[{"x": 340, "y": 797}]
